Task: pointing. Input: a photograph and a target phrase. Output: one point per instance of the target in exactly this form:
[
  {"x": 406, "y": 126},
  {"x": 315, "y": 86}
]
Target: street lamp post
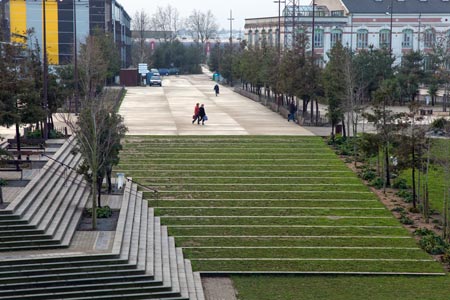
[
  {"x": 313, "y": 25},
  {"x": 279, "y": 25},
  {"x": 391, "y": 8},
  {"x": 231, "y": 19},
  {"x": 45, "y": 65},
  {"x": 75, "y": 57}
]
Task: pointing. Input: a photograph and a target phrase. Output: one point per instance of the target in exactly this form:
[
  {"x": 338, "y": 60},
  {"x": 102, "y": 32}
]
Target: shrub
[
  {"x": 439, "y": 123},
  {"x": 433, "y": 244},
  {"x": 414, "y": 210},
  {"x": 34, "y": 134},
  {"x": 377, "y": 183},
  {"x": 446, "y": 256},
  {"x": 400, "y": 184},
  {"x": 398, "y": 209},
  {"x": 406, "y": 195},
  {"x": 368, "y": 174},
  {"x": 3, "y": 182},
  {"x": 102, "y": 212},
  {"x": 423, "y": 231},
  {"x": 405, "y": 220},
  {"x": 54, "y": 134}
]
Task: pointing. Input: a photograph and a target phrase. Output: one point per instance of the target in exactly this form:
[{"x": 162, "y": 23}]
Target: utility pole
[
  {"x": 75, "y": 58},
  {"x": 231, "y": 47},
  {"x": 391, "y": 7},
  {"x": 279, "y": 26},
  {"x": 313, "y": 26},
  {"x": 45, "y": 75},
  {"x": 418, "y": 37}
]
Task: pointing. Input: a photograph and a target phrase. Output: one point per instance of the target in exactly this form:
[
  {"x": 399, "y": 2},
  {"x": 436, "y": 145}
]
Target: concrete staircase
[
  {"x": 45, "y": 214},
  {"x": 143, "y": 263}
]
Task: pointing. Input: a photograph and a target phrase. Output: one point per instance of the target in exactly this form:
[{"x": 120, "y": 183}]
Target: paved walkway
[{"x": 168, "y": 111}]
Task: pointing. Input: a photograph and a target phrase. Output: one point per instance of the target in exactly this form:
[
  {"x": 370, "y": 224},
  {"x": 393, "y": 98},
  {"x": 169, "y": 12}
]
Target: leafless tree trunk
[{"x": 141, "y": 24}]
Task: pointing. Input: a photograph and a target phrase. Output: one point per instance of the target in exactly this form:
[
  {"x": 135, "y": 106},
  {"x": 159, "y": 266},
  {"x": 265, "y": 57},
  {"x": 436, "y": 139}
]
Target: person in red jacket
[{"x": 195, "y": 117}]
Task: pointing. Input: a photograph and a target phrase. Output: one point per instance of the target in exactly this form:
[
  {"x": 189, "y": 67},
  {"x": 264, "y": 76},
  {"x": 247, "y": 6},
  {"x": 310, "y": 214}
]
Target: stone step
[
  {"x": 65, "y": 236},
  {"x": 80, "y": 281},
  {"x": 148, "y": 285},
  {"x": 190, "y": 280},
  {"x": 182, "y": 275},
  {"x": 21, "y": 232},
  {"x": 22, "y": 238},
  {"x": 158, "y": 264},
  {"x": 151, "y": 292},
  {"x": 37, "y": 247},
  {"x": 61, "y": 258},
  {"x": 23, "y": 226},
  {"x": 11, "y": 221},
  {"x": 143, "y": 237},
  {"x": 93, "y": 275},
  {"x": 60, "y": 264},
  {"x": 65, "y": 270},
  {"x": 28, "y": 243},
  {"x": 120, "y": 228},
  {"x": 124, "y": 296},
  {"x": 199, "y": 286}
]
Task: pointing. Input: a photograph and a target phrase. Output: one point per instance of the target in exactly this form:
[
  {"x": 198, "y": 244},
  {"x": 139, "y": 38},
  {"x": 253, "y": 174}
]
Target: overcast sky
[{"x": 242, "y": 9}]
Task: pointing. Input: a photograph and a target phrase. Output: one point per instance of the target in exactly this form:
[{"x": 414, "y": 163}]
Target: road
[{"x": 168, "y": 111}]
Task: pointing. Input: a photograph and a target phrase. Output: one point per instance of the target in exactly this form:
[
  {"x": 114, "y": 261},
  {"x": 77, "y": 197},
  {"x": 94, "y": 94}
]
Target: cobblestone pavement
[{"x": 218, "y": 288}]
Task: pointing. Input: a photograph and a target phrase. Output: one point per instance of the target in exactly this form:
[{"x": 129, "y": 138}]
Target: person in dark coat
[
  {"x": 201, "y": 114},
  {"x": 292, "y": 111},
  {"x": 216, "y": 89},
  {"x": 195, "y": 117}
]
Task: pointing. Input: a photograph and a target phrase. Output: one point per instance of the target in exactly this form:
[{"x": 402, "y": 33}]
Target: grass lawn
[
  {"x": 342, "y": 287},
  {"x": 263, "y": 204}
]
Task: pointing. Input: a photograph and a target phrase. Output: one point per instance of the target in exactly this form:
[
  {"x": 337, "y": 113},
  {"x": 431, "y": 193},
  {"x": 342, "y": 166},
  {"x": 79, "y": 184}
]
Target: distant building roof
[
  {"x": 151, "y": 34},
  {"x": 400, "y": 6}
]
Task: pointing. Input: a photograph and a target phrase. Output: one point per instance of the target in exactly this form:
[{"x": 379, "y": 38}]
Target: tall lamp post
[
  {"x": 75, "y": 57},
  {"x": 391, "y": 8},
  {"x": 313, "y": 25},
  {"x": 279, "y": 25},
  {"x": 231, "y": 19},
  {"x": 45, "y": 65}
]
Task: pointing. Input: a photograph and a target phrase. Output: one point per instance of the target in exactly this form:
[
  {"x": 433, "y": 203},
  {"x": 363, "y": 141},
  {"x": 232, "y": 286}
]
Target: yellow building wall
[
  {"x": 51, "y": 24},
  {"x": 18, "y": 21}
]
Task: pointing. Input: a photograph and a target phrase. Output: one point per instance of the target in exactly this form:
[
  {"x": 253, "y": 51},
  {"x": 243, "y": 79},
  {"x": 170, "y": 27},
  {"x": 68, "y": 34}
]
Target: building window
[
  {"x": 429, "y": 38},
  {"x": 270, "y": 38},
  {"x": 407, "y": 39},
  {"x": 385, "y": 35},
  {"x": 336, "y": 36},
  {"x": 318, "y": 38},
  {"x": 250, "y": 38},
  {"x": 362, "y": 38}
]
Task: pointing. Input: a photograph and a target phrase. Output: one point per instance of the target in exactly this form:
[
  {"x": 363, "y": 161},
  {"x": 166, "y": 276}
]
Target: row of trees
[
  {"x": 166, "y": 22},
  {"x": 98, "y": 128}
]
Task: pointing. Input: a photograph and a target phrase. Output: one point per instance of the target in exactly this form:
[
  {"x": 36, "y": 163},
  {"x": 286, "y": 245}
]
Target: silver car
[{"x": 155, "y": 80}]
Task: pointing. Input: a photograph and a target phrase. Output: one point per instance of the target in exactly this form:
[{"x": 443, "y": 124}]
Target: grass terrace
[{"x": 269, "y": 204}]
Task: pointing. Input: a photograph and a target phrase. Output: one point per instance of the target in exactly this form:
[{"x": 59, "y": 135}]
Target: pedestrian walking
[
  {"x": 216, "y": 89},
  {"x": 202, "y": 115},
  {"x": 292, "y": 111},
  {"x": 195, "y": 117}
]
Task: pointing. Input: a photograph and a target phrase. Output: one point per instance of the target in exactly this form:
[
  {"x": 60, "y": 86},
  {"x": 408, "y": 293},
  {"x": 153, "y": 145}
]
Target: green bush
[
  {"x": 102, "y": 212},
  {"x": 406, "y": 195},
  {"x": 423, "y": 232},
  {"x": 368, "y": 174},
  {"x": 3, "y": 182},
  {"x": 398, "y": 209},
  {"x": 433, "y": 244},
  {"x": 400, "y": 184},
  {"x": 54, "y": 134},
  {"x": 36, "y": 134},
  {"x": 377, "y": 183},
  {"x": 439, "y": 123},
  {"x": 414, "y": 210},
  {"x": 446, "y": 256},
  {"x": 405, "y": 220}
]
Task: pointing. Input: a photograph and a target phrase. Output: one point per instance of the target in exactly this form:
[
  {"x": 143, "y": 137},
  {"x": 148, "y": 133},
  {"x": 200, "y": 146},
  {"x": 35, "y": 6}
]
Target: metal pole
[
  {"x": 390, "y": 33},
  {"x": 279, "y": 28},
  {"x": 313, "y": 25},
  {"x": 75, "y": 57},
  {"x": 231, "y": 47},
  {"x": 45, "y": 75},
  {"x": 420, "y": 25},
  {"x": 293, "y": 23}
]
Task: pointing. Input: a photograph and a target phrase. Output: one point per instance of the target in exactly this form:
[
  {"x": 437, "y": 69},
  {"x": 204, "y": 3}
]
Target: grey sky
[{"x": 242, "y": 9}]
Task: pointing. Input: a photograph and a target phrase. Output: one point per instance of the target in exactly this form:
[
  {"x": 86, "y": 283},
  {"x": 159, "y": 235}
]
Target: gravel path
[{"x": 218, "y": 288}]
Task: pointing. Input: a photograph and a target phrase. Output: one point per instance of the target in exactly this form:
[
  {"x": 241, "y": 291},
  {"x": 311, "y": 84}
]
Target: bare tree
[
  {"x": 92, "y": 66},
  {"x": 166, "y": 20},
  {"x": 203, "y": 26},
  {"x": 141, "y": 24}
]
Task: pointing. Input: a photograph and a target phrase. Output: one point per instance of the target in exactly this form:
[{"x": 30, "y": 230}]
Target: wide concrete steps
[
  {"x": 45, "y": 214},
  {"x": 143, "y": 264}
]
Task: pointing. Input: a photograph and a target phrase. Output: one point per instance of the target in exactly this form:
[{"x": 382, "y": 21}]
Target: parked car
[
  {"x": 164, "y": 72},
  {"x": 155, "y": 80}
]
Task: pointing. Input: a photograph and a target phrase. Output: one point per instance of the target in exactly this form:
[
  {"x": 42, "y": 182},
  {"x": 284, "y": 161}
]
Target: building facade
[
  {"x": 63, "y": 19},
  {"x": 398, "y": 25}
]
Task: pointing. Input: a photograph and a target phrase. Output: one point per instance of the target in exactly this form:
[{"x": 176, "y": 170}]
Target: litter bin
[{"x": 120, "y": 180}]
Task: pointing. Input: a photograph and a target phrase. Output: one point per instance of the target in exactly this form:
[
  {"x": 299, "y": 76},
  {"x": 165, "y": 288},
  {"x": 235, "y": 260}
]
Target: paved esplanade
[{"x": 168, "y": 111}]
